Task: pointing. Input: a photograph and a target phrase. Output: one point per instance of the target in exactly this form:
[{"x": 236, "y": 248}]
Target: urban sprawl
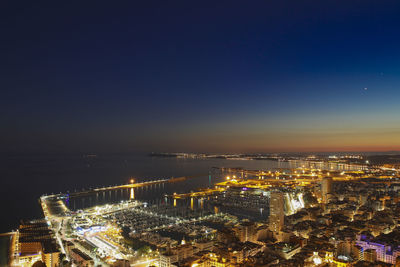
[{"x": 308, "y": 215}]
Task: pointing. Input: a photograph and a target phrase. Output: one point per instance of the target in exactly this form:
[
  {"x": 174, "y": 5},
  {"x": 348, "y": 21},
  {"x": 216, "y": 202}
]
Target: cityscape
[
  {"x": 200, "y": 134},
  {"x": 322, "y": 211}
]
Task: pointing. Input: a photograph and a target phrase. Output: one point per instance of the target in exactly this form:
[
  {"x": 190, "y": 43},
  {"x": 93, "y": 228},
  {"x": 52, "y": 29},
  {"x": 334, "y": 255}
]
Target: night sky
[{"x": 203, "y": 76}]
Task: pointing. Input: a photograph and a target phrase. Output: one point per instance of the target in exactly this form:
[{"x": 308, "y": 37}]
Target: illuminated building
[
  {"x": 314, "y": 260},
  {"x": 238, "y": 252},
  {"x": 168, "y": 259},
  {"x": 29, "y": 248},
  {"x": 276, "y": 211},
  {"x": 369, "y": 255},
  {"x": 246, "y": 231},
  {"x": 326, "y": 189},
  {"x": 384, "y": 252},
  {"x": 81, "y": 258},
  {"x": 286, "y": 250},
  {"x": 293, "y": 202},
  {"x": 35, "y": 243},
  {"x": 202, "y": 245},
  {"x": 348, "y": 249},
  {"x": 176, "y": 254},
  {"x": 212, "y": 259},
  {"x": 342, "y": 262}
]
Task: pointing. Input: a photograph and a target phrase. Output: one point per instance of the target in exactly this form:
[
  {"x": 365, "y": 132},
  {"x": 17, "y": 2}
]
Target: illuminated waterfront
[
  {"x": 196, "y": 217},
  {"x": 47, "y": 174},
  {"x": 252, "y": 203}
]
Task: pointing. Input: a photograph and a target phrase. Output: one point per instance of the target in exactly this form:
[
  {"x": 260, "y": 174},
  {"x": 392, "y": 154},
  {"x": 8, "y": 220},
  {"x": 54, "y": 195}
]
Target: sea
[{"x": 24, "y": 178}]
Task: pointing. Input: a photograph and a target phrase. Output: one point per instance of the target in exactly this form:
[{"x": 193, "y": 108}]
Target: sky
[{"x": 201, "y": 76}]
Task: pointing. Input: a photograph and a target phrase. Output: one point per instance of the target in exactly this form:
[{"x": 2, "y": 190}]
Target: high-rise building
[
  {"x": 35, "y": 243},
  {"x": 276, "y": 211},
  {"x": 246, "y": 231},
  {"x": 370, "y": 255},
  {"x": 349, "y": 249},
  {"x": 326, "y": 189}
]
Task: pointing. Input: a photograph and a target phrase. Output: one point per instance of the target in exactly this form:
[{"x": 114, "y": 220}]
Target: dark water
[
  {"x": 23, "y": 179},
  {"x": 4, "y": 249}
]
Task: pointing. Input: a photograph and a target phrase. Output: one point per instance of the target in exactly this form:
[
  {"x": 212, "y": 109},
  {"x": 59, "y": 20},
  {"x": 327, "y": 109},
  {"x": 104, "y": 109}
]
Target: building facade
[{"x": 276, "y": 212}]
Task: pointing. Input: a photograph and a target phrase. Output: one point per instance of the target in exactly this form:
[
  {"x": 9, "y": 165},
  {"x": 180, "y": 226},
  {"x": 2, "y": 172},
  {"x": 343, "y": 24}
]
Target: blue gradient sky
[{"x": 200, "y": 76}]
